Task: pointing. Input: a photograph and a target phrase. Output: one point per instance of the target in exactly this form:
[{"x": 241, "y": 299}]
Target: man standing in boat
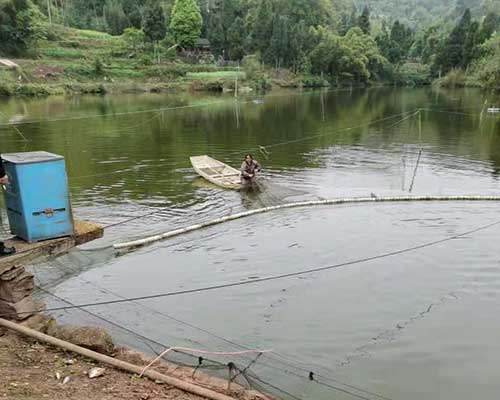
[{"x": 249, "y": 168}]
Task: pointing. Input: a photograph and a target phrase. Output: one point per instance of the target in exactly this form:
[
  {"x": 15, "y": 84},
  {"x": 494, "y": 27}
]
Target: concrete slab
[{"x": 85, "y": 231}]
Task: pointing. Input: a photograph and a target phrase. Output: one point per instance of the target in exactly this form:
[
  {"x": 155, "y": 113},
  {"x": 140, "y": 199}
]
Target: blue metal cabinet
[{"x": 36, "y": 196}]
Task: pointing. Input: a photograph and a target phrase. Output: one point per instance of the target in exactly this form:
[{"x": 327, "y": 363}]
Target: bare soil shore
[{"x": 30, "y": 370}]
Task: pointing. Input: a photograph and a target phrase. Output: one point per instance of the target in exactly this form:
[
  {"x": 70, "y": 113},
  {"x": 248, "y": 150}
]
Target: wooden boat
[{"x": 217, "y": 172}]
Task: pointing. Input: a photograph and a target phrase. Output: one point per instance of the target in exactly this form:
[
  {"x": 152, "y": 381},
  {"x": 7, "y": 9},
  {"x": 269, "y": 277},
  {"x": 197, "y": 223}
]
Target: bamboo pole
[
  {"x": 335, "y": 201},
  {"x": 123, "y": 365}
]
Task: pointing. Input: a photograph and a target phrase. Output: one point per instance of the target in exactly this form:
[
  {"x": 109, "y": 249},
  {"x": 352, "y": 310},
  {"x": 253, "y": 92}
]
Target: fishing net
[
  {"x": 271, "y": 374},
  {"x": 265, "y": 193}
]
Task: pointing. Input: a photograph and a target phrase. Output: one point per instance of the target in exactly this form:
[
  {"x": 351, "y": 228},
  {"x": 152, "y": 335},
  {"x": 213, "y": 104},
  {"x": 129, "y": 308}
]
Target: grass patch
[
  {"x": 123, "y": 73},
  {"x": 61, "y": 53},
  {"x": 210, "y": 76},
  {"x": 83, "y": 33}
]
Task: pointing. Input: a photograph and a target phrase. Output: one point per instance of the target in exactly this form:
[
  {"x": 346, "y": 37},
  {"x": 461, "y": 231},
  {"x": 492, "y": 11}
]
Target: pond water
[{"x": 421, "y": 324}]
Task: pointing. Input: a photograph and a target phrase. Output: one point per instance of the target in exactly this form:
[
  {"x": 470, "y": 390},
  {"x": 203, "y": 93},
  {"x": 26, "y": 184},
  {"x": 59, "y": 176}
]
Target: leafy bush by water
[{"x": 456, "y": 78}]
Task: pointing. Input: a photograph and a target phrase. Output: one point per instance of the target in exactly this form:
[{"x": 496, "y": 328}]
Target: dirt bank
[{"x": 28, "y": 371}]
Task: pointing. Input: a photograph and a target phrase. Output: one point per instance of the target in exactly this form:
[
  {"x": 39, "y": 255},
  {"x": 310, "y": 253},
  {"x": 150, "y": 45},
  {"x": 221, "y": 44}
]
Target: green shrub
[
  {"x": 170, "y": 71},
  {"x": 133, "y": 39},
  {"x": 50, "y": 32},
  {"x": 98, "y": 66},
  {"x": 61, "y": 52},
  {"x": 146, "y": 60},
  {"x": 313, "y": 81},
  {"x": 78, "y": 70},
  {"x": 35, "y": 90},
  {"x": 73, "y": 44},
  {"x": 89, "y": 88},
  {"x": 7, "y": 83},
  {"x": 413, "y": 74},
  {"x": 456, "y": 78},
  {"x": 252, "y": 66},
  {"x": 485, "y": 72}
]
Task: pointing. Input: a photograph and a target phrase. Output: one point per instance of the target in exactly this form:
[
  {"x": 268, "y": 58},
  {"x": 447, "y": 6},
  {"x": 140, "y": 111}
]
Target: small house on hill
[
  {"x": 203, "y": 45},
  {"x": 200, "y": 53}
]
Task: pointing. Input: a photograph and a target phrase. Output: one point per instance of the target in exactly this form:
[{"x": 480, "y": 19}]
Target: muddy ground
[{"x": 28, "y": 371}]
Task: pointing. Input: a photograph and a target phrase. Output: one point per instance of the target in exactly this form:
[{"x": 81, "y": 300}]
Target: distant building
[
  {"x": 203, "y": 45},
  {"x": 200, "y": 53}
]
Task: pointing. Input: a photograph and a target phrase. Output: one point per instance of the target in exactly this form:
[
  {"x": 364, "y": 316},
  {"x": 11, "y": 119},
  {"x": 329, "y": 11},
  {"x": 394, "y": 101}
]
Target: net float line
[{"x": 310, "y": 203}]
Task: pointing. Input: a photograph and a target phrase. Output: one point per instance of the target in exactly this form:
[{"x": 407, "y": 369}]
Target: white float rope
[{"x": 335, "y": 201}]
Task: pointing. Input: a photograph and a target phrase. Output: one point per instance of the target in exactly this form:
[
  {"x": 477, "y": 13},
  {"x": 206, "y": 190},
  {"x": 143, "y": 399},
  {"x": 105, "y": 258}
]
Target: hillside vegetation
[{"x": 98, "y": 45}]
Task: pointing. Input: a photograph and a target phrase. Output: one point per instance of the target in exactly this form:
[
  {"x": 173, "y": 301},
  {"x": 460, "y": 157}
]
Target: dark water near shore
[{"x": 420, "y": 325}]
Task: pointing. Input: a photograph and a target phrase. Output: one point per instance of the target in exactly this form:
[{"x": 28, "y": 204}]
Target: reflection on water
[{"x": 415, "y": 326}]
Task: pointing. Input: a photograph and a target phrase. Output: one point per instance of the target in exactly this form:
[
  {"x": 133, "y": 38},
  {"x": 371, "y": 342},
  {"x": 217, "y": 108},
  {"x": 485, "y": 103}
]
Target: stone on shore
[{"x": 93, "y": 338}]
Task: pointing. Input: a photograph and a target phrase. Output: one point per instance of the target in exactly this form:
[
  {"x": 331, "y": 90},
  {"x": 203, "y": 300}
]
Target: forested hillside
[
  {"x": 419, "y": 14},
  {"x": 323, "y": 42}
]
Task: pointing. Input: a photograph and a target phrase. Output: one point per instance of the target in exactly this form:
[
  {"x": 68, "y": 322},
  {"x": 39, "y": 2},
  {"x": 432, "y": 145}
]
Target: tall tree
[
  {"x": 489, "y": 26},
  {"x": 17, "y": 25},
  {"x": 276, "y": 53},
  {"x": 115, "y": 18},
  {"x": 364, "y": 21},
  {"x": 186, "y": 22},
  {"x": 470, "y": 49},
  {"x": 451, "y": 52},
  {"x": 133, "y": 9},
  {"x": 226, "y": 29},
  {"x": 236, "y": 36},
  {"x": 262, "y": 28},
  {"x": 154, "y": 22}
]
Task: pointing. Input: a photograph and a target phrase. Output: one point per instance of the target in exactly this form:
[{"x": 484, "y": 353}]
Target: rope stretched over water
[
  {"x": 336, "y": 201},
  {"x": 216, "y": 353},
  {"x": 268, "y": 278}
]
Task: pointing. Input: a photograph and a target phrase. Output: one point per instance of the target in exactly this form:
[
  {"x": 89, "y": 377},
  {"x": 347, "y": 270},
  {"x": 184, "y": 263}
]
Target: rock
[
  {"x": 18, "y": 288},
  {"x": 38, "y": 322},
  {"x": 92, "y": 338},
  {"x": 96, "y": 372},
  {"x": 58, "y": 376},
  {"x": 21, "y": 310},
  {"x": 66, "y": 380},
  {"x": 11, "y": 272},
  {"x": 69, "y": 362}
]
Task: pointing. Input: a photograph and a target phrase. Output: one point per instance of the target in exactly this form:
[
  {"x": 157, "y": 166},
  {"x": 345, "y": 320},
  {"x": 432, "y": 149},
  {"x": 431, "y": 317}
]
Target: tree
[
  {"x": 236, "y": 37},
  {"x": 133, "y": 11},
  {"x": 451, "y": 52},
  {"x": 153, "y": 23},
  {"x": 276, "y": 53},
  {"x": 354, "y": 57},
  {"x": 226, "y": 29},
  {"x": 387, "y": 47},
  {"x": 364, "y": 21},
  {"x": 485, "y": 70},
  {"x": 18, "y": 26},
  {"x": 262, "y": 28},
  {"x": 470, "y": 49},
  {"x": 402, "y": 36},
  {"x": 115, "y": 18},
  {"x": 489, "y": 26},
  {"x": 186, "y": 22},
  {"x": 134, "y": 39}
]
